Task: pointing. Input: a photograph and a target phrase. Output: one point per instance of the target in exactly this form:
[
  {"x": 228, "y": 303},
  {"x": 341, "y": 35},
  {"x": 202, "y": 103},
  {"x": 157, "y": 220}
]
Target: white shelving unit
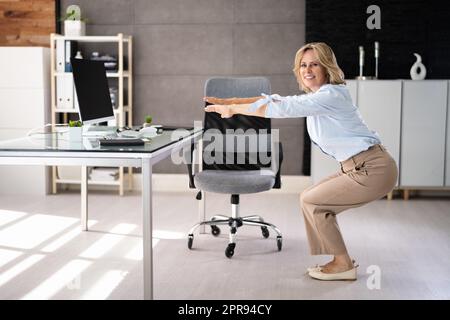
[
  {"x": 24, "y": 106},
  {"x": 123, "y": 113}
]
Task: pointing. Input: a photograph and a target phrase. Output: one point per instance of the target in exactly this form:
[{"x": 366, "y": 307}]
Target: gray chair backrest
[
  {"x": 241, "y": 88},
  {"x": 237, "y": 87}
]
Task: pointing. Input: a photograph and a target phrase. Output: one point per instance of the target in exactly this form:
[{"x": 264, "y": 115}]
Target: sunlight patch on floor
[
  {"x": 19, "y": 268},
  {"x": 37, "y": 229},
  {"x": 136, "y": 252},
  {"x": 65, "y": 238},
  {"x": 7, "y": 216},
  {"x": 108, "y": 241},
  {"x": 103, "y": 287},
  {"x": 69, "y": 276},
  {"x": 8, "y": 255}
]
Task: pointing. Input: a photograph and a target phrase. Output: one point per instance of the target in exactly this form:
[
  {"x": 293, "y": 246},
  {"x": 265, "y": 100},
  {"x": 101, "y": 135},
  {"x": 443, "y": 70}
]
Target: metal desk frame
[{"x": 144, "y": 160}]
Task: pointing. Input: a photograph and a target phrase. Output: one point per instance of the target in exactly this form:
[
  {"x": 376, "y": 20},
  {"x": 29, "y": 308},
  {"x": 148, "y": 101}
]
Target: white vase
[
  {"x": 74, "y": 28},
  {"x": 75, "y": 133},
  {"x": 418, "y": 70}
]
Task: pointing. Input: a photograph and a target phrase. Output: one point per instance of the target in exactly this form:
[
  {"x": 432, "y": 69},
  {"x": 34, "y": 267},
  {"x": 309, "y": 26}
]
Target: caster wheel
[
  {"x": 190, "y": 240},
  {"x": 265, "y": 232},
  {"x": 215, "y": 230},
  {"x": 279, "y": 243},
  {"x": 229, "y": 251}
]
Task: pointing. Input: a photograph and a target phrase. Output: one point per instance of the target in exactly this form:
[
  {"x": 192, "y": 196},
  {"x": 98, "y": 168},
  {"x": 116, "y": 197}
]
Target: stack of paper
[{"x": 104, "y": 174}]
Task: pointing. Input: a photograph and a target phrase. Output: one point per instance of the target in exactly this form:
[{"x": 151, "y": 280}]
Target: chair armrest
[{"x": 189, "y": 159}]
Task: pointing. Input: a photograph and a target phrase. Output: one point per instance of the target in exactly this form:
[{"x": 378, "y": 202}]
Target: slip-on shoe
[
  {"x": 345, "y": 275},
  {"x": 318, "y": 268}
]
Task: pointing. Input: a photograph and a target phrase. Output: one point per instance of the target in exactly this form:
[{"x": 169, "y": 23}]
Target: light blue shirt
[{"x": 333, "y": 121}]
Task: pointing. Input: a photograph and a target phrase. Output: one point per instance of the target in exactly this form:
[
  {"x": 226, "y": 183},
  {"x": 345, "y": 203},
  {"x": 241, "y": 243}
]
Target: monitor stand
[{"x": 98, "y": 131}]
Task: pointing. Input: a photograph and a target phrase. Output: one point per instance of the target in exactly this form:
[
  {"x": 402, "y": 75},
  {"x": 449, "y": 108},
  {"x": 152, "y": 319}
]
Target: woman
[{"x": 367, "y": 173}]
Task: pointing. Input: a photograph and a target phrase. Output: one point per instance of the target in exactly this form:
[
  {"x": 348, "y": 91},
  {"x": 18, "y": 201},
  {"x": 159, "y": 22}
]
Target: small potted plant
[
  {"x": 148, "y": 121},
  {"x": 75, "y": 130},
  {"x": 74, "y": 25}
]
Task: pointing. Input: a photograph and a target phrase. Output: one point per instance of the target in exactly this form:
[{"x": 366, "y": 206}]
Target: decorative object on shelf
[
  {"x": 75, "y": 130},
  {"x": 361, "y": 65},
  {"x": 361, "y": 61},
  {"x": 418, "y": 70},
  {"x": 148, "y": 121},
  {"x": 74, "y": 25},
  {"x": 377, "y": 55},
  {"x": 109, "y": 61},
  {"x": 78, "y": 55}
]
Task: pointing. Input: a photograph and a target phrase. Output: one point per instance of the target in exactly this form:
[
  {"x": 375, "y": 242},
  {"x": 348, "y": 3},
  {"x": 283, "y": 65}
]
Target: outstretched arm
[
  {"x": 228, "y": 101},
  {"x": 227, "y": 111}
]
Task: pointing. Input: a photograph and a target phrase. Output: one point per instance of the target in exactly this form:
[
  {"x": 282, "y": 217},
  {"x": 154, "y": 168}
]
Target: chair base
[{"x": 234, "y": 222}]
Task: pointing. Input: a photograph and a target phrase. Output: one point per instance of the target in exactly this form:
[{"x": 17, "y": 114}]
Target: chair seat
[{"x": 234, "y": 181}]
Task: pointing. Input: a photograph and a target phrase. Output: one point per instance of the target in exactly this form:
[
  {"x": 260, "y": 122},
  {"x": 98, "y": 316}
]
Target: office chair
[{"x": 236, "y": 171}]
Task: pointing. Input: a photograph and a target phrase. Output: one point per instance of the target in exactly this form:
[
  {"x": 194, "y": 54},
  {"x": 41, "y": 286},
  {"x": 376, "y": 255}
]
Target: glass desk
[{"x": 51, "y": 149}]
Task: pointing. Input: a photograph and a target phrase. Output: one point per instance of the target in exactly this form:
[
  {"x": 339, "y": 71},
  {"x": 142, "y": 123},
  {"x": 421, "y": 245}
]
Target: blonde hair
[{"x": 327, "y": 59}]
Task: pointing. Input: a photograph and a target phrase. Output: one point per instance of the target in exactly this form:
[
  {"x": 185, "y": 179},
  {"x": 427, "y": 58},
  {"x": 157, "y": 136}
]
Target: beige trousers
[{"x": 365, "y": 177}]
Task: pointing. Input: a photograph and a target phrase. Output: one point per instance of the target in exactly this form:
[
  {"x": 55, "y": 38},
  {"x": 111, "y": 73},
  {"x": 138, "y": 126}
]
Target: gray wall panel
[
  {"x": 174, "y": 100},
  {"x": 183, "y": 11},
  {"x": 284, "y": 84},
  {"x": 269, "y": 11},
  {"x": 183, "y": 49},
  {"x": 266, "y": 48}
]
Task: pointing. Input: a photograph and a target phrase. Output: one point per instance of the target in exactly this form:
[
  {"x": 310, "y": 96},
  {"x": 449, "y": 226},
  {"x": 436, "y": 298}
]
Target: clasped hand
[{"x": 225, "y": 111}]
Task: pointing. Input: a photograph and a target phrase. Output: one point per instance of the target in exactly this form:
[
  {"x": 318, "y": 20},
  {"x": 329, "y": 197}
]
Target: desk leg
[
  {"x": 84, "y": 198},
  {"x": 147, "y": 228}
]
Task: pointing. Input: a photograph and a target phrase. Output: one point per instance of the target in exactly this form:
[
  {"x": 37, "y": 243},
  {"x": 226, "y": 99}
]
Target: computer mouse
[{"x": 149, "y": 132}]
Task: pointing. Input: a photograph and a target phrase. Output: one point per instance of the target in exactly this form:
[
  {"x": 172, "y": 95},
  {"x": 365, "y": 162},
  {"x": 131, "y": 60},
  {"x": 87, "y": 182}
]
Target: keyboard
[
  {"x": 99, "y": 131},
  {"x": 121, "y": 142}
]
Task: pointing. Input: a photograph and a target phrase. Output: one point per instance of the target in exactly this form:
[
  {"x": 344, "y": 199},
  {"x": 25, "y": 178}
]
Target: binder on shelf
[
  {"x": 65, "y": 92},
  {"x": 70, "y": 51},
  {"x": 60, "y": 56}
]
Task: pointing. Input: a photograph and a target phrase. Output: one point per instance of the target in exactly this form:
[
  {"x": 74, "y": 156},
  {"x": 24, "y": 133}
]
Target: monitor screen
[{"x": 92, "y": 91}]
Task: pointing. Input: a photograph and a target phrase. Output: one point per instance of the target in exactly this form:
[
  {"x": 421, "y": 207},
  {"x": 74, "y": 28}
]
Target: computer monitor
[{"x": 91, "y": 84}]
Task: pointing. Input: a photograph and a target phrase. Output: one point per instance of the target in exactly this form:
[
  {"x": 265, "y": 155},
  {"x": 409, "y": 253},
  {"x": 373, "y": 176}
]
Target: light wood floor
[{"x": 44, "y": 255}]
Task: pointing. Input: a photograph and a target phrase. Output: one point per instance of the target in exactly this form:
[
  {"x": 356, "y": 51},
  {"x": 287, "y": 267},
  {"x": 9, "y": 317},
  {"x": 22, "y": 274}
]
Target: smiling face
[{"x": 312, "y": 73}]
